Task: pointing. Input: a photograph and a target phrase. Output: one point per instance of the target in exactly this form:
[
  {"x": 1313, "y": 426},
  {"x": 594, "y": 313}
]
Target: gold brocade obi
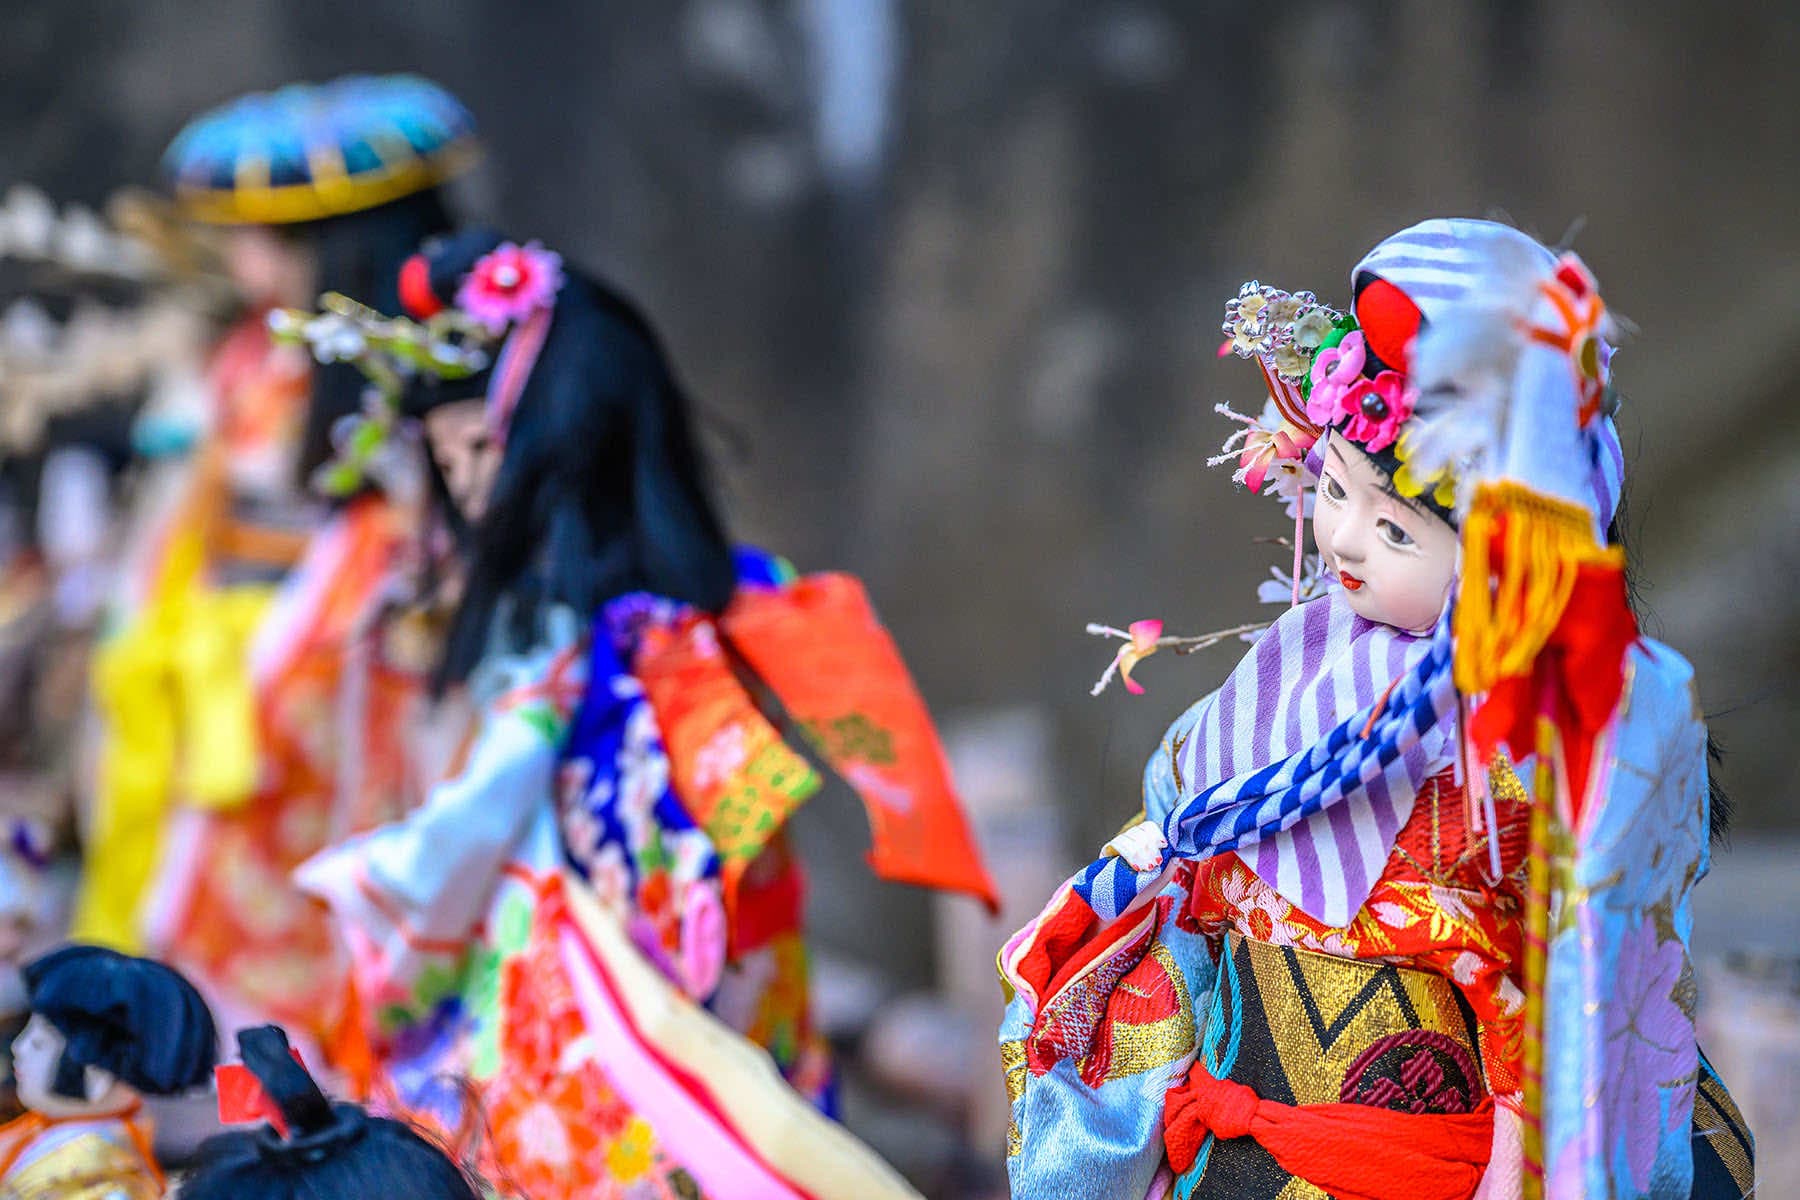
[
  {"x": 1317, "y": 1029},
  {"x": 101, "y": 1159}
]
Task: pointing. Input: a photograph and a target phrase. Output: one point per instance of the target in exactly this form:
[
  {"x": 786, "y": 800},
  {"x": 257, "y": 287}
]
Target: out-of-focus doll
[
  {"x": 312, "y": 1148},
  {"x": 103, "y": 318},
  {"x": 228, "y": 755},
  {"x": 105, "y": 1031},
  {"x": 594, "y": 920},
  {"x": 1324, "y": 963}
]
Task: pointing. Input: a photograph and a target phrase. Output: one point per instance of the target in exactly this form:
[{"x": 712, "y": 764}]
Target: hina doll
[
  {"x": 588, "y": 938},
  {"x": 105, "y": 1031},
  {"x": 229, "y": 757},
  {"x": 1407, "y": 913},
  {"x": 307, "y": 1146}
]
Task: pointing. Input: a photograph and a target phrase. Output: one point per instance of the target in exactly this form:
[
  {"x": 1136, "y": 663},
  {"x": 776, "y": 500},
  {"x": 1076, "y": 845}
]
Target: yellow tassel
[{"x": 1503, "y": 620}]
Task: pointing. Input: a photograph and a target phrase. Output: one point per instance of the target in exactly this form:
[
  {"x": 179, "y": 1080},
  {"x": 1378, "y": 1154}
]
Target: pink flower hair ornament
[
  {"x": 510, "y": 283},
  {"x": 1373, "y": 410},
  {"x": 1335, "y": 370}
]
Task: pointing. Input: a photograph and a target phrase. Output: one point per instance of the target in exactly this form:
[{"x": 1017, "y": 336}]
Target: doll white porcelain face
[
  {"x": 1396, "y": 560},
  {"x": 466, "y": 452},
  {"x": 36, "y": 1053}
]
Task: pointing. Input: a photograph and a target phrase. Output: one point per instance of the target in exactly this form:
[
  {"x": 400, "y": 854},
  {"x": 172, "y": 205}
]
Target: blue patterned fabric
[
  {"x": 1621, "y": 1058},
  {"x": 1073, "y": 1139}
]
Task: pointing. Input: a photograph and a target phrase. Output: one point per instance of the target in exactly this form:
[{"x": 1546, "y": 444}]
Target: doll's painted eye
[
  {"x": 1332, "y": 489},
  {"x": 1392, "y": 534}
]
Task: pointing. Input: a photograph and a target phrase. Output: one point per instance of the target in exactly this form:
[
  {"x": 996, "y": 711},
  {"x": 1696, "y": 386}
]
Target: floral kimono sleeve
[
  {"x": 418, "y": 887},
  {"x": 1101, "y": 1020},
  {"x": 1620, "y": 1052}
]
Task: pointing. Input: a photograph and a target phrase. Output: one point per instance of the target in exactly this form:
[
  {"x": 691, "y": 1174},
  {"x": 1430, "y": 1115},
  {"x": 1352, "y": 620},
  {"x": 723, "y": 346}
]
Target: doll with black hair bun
[
  {"x": 106, "y": 1030},
  {"x": 314, "y": 1149}
]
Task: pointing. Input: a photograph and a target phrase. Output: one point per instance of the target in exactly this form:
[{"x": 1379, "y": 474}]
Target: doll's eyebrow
[{"x": 1388, "y": 487}]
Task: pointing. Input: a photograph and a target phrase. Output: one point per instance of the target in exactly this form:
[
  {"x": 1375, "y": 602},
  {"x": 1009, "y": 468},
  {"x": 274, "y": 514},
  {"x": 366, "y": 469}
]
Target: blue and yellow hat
[{"x": 310, "y": 151}]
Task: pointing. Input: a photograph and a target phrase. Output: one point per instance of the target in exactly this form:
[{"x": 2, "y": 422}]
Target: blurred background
[{"x": 946, "y": 279}]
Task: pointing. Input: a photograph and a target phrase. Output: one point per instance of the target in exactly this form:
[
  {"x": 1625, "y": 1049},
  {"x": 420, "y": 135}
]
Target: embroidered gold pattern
[
  {"x": 1356, "y": 1003},
  {"x": 1138, "y": 1048},
  {"x": 1012, "y": 1062}
]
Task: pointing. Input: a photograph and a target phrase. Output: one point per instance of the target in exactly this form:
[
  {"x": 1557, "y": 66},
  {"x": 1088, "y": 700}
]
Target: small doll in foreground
[
  {"x": 1408, "y": 912},
  {"x": 106, "y": 1030},
  {"x": 313, "y": 1149}
]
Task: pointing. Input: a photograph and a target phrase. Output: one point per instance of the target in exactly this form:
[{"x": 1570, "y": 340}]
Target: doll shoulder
[{"x": 81, "y": 1160}]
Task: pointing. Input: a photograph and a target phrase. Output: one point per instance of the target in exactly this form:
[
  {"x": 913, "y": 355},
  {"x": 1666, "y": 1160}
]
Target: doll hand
[{"x": 1141, "y": 846}]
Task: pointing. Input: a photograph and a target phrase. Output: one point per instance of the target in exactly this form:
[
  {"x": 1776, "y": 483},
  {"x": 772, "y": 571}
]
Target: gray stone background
[{"x": 947, "y": 277}]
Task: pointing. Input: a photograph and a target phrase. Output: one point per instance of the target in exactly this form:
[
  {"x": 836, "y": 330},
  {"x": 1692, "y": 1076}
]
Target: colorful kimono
[
  {"x": 99, "y": 1158},
  {"x": 1282, "y": 1003},
  {"x": 594, "y": 928}
]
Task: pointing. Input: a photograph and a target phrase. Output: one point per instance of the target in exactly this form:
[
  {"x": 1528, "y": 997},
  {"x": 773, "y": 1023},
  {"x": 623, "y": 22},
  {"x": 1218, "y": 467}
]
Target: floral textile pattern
[
  {"x": 510, "y": 283},
  {"x": 1432, "y": 909},
  {"x": 1650, "y": 1040},
  {"x": 625, "y": 829}
]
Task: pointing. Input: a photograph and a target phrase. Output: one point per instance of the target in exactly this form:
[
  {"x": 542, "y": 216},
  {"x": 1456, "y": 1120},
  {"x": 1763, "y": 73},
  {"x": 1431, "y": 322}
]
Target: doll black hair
[
  {"x": 135, "y": 1018},
  {"x": 330, "y": 1150},
  {"x": 602, "y": 489},
  {"x": 359, "y": 254}
]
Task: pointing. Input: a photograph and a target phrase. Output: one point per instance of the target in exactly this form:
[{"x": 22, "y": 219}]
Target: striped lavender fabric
[
  {"x": 1276, "y": 765},
  {"x": 1445, "y": 260}
]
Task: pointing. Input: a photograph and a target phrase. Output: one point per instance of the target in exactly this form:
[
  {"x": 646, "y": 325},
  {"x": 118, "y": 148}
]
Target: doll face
[
  {"x": 1397, "y": 561},
  {"x": 466, "y": 452},
  {"x": 268, "y": 267},
  {"x": 37, "y": 1051}
]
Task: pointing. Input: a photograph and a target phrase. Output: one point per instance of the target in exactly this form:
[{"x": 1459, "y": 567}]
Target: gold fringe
[{"x": 1503, "y": 620}]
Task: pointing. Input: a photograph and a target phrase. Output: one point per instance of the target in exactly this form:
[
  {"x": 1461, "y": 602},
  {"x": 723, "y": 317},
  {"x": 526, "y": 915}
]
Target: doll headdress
[
  {"x": 602, "y": 489},
  {"x": 311, "y": 151},
  {"x": 1418, "y": 369},
  {"x": 135, "y": 1018}
]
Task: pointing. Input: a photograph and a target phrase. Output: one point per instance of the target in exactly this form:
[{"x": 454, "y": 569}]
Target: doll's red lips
[{"x": 1350, "y": 581}]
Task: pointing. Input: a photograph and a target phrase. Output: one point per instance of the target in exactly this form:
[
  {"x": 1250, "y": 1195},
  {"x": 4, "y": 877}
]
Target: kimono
[
  {"x": 580, "y": 960},
  {"x": 222, "y": 906},
  {"x": 78, "y": 1158},
  {"x": 207, "y": 543},
  {"x": 1363, "y": 1032}
]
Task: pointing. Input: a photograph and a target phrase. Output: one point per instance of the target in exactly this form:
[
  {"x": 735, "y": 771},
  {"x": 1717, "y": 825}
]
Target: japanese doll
[
  {"x": 1407, "y": 911},
  {"x": 580, "y": 960},
  {"x": 106, "y": 1030},
  {"x": 237, "y": 689}
]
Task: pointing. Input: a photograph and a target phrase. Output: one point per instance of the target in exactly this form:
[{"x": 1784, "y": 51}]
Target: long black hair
[
  {"x": 602, "y": 489},
  {"x": 329, "y": 1149},
  {"x": 360, "y": 254}
]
